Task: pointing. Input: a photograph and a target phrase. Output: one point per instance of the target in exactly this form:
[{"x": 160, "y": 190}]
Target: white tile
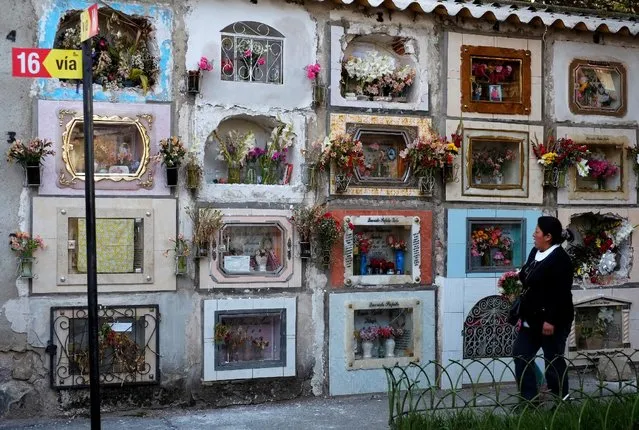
[
  {"x": 452, "y": 295},
  {"x": 478, "y": 40},
  {"x": 535, "y": 102},
  {"x": 511, "y": 42},
  {"x": 234, "y": 374},
  {"x": 453, "y": 93},
  {"x": 454, "y": 55},
  {"x": 452, "y": 331},
  {"x": 451, "y": 373},
  {"x": 534, "y": 46}
]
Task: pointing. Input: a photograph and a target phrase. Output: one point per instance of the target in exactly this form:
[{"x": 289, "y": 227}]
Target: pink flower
[
  {"x": 248, "y": 53},
  {"x": 227, "y": 66},
  {"x": 205, "y": 64},
  {"x": 312, "y": 70},
  {"x": 261, "y": 61}
]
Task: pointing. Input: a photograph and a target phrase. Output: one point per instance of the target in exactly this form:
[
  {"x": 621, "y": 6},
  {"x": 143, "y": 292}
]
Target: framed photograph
[
  {"x": 597, "y": 88},
  {"x": 495, "y": 93}
]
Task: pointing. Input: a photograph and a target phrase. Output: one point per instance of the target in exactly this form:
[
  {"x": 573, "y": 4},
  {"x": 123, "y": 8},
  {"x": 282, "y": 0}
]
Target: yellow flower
[
  {"x": 452, "y": 148},
  {"x": 548, "y": 158},
  {"x": 598, "y": 243}
]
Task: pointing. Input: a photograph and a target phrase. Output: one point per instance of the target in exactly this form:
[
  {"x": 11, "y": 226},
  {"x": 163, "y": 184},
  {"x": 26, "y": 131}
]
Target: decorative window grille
[
  {"x": 128, "y": 344},
  {"x": 487, "y": 333},
  {"x": 252, "y": 52}
]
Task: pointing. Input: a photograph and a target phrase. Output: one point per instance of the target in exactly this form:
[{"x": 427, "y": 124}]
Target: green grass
[{"x": 619, "y": 414}]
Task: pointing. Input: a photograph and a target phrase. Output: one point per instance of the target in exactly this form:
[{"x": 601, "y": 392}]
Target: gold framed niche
[
  {"x": 122, "y": 149},
  {"x": 613, "y": 152},
  {"x": 408, "y": 127},
  {"x": 597, "y": 88},
  {"x": 512, "y": 170}
]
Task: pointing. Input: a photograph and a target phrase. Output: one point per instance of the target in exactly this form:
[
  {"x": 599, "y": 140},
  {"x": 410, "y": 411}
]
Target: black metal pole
[{"x": 89, "y": 197}]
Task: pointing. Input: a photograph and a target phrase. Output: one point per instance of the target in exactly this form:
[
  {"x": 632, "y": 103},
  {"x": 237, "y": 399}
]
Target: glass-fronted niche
[
  {"x": 381, "y": 152},
  {"x": 253, "y": 250},
  {"x": 601, "y": 323},
  {"x": 605, "y": 169},
  {"x": 597, "y": 88},
  {"x": 495, "y": 80},
  {"x": 127, "y": 342},
  {"x": 382, "y": 250},
  {"x": 121, "y": 149},
  {"x": 382, "y": 333},
  {"x": 250, "y": 339},
  {"x": 496, "y": 162},
  {"x": 124, "y": 245},
  {"x": 495, "y": 245}
]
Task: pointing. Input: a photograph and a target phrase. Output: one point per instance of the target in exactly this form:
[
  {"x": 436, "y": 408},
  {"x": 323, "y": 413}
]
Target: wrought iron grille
[
  {"x": 252, "y": 52},
  {"x": 128, "y": 344},
  {"x": 487, "y": 333}
]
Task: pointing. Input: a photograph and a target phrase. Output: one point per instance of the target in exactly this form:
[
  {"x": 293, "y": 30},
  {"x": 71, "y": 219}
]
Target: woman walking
[{"x": 546, "y": 310}]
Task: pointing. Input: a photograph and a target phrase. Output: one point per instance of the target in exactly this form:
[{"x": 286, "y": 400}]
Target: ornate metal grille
[
  {"x": 128, "y": 346},
  {"x": 487, "y": 333},
  {"x": 252, "y": 52}
]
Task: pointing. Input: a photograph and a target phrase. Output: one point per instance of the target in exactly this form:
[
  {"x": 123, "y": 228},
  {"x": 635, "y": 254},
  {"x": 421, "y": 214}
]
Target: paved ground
[{"x": 352, "y": 412}]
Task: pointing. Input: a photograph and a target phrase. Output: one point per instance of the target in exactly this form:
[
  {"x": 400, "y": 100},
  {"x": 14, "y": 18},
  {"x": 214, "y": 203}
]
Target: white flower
[
  {"x": 637, "y": 159},
  {"x": 607, "y": 263},
  {"x": 582, "y": 168},
  {"x": 623, "y": 232},
  {"x": 605, "y": 315}
]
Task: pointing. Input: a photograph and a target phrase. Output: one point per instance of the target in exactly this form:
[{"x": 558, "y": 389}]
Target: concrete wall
[{"x": 187, "y": 30}]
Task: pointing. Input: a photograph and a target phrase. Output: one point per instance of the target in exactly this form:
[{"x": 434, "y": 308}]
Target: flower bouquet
[
  {"x": 233, "y": 149},
  {"x": 171, "y": 153},
  {"x": 328, "y": 231},
  {"x": 490, "y": 162},
  {"x": 345, "y": 154},
  {"x": 282, "y": 138},
  {"x": 24, "y": 245},
  {"x": 29, "y": 156},
  {"x": 601, "y": 169},
  {"x": 181, "y": 250},
  {"x": 194, "y": 77},
  {"x": 369, "y": 334},
  {"x": 427, "y": 154},
  {"x": 509, "y": 285},
  {"x": 492, "y": 246},
  {"x": 557, "y": 155}
]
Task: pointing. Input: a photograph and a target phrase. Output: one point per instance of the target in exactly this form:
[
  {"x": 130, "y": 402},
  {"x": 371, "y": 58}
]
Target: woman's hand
[{"x": 548, "y": 329}]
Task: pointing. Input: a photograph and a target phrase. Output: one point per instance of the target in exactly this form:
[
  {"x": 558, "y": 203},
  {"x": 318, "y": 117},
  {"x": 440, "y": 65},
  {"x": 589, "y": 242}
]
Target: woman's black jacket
[{"x": 547, "y": 293}]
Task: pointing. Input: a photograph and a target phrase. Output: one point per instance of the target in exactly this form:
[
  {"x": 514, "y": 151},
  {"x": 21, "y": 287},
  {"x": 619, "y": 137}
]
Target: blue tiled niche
[
  {"x": 458, "y": 237},
  {"x": 162, "y": 20}
]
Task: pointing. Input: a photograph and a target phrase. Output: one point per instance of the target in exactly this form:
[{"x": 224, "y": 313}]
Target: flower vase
[
  {"x": 449, "y": 173},
  {"x": 26, "y": 267},
  {"x": 251, "y": 175},
  {"x": 485, "y": 259},
  {"x": 171, "y": 176},
  {"x": 32, "y": 171},
  {"x": 192, "y": 177},
  {"x": 601, "y": 183},
  {"x": 477, "y": 180},
  {"x": 261, "y": 262},
  {"x": 367, "y": 348},
  {"x": 180, "y": 265},
  {"x": 362, "y": 263},
  {"x": 499, "y": 179},
  {"x": 554, "y": 177},
  {"x": 305, "y": 250},
  {"x": 399, "y": 259},
  {"x": 269, "y": 174},
  {"x": 389, "y": 347},
  {"x": 193, "y": 81},
  {"x": 426, "y": 183},
  {"x": 342, "y": 180},
  {"x": 234, "y": 172}
]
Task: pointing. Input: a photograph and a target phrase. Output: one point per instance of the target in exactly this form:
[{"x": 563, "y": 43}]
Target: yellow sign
[
  {"x": 64, "y": 63},
  {"x": 89, "y": 22}
]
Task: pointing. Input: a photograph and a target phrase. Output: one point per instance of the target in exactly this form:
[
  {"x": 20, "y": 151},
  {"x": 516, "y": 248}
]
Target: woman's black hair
[{"x": 552, "y": 226}]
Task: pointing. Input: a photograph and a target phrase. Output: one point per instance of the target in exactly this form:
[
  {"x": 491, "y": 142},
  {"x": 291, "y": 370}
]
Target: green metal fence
[{"x": 600, "y": 386}]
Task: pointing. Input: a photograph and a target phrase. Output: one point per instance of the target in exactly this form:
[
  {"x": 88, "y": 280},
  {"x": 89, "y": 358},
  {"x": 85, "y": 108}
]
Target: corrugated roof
[{"x": 513, "y": 11}]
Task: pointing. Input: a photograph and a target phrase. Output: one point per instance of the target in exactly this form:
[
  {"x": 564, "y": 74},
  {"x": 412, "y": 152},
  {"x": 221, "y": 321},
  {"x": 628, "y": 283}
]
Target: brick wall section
[{"x": 336, "y": 276}]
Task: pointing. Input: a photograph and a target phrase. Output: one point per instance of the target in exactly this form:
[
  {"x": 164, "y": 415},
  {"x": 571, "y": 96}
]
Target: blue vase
[
  {"x": 399, "y": 260},
  {"x": 362, "y": 264}
]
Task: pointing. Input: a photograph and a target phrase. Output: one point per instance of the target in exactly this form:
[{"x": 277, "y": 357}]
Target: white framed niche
[
  {"x": 256, "y": 322},
  {"x": 522, "y": 182},
  {"x": 253, "y": 249},
  {"x": 405, "y": 49},
  {"x": 132, "y": 237},
  {"x": 378, "y": 228}
]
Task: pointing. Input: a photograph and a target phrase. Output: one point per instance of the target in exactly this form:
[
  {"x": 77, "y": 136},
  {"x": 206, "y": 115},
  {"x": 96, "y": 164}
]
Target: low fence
[{"x": 488, "y": 386}]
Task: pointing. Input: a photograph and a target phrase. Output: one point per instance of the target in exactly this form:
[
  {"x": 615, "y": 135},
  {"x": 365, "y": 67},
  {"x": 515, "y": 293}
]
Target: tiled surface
[
  {"x": 343, "y": 381},
  {"x": 211, "y": 306}
]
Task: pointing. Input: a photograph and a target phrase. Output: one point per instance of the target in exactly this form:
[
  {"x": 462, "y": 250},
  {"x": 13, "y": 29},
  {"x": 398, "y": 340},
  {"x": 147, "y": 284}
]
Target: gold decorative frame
[
  {"x": 339, "y": 124},
  {"x": 606, "y": 142},
  {"x": 68, "y": 176},
  {"x": 522, "y": 159}
]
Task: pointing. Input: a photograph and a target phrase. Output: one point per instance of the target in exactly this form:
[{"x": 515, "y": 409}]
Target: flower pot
[
  {"x": 389, "y": 347},
  {"x": 305, "y": 250},
  {"x": 26, "y": 267},
  {"x": 499, "y": 179},
  {"x": 171, "y": 176},
  {"x": 601, "y": 183},
  {"x": 32, "y": 172},
  {"x": 326, "y": 259},
  {"x": 367, "y": 348},
  {"x": 362, "y": 263},
  {"x": 554, "y": 177},
  {"x": 270, "y": 174},
  {"x": 426, "y": 183},
  {"x": 449, "y": 173},
  {"x": 251, "y": 175},
  {"x": 234, "y": 172},
  {"x": 477, "y": 180},
  {"x": 399, "y": 259},
  {"x": 180, "y": 265},
  {"x": 193, "y": 81},
  {"x": 319, "y": 93}
]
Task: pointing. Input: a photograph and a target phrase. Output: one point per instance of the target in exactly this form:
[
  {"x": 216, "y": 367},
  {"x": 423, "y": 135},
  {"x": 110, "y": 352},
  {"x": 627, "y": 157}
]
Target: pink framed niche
[
  {"x": 253, "y": 249},
  {"x": 126, "y": 139}
]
